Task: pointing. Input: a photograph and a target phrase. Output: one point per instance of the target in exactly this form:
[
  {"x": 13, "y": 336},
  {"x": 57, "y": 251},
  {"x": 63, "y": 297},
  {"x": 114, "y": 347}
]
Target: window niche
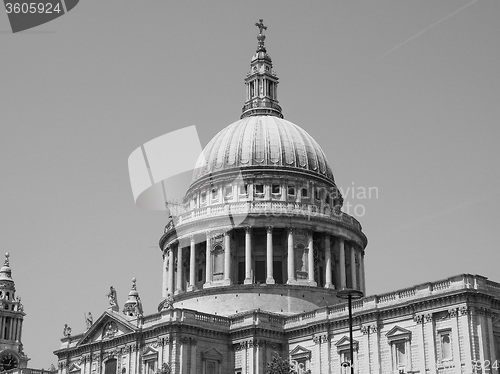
[
  {"x": 150, "y": 360},
  {"x": 243, "y": 190},
  {"x": 344, "y": 350},
  {"x": 304, "y": 193},
  {"x": 211, "y": 361},
  {"x": 400, "y": 342},
  {"x": 445, "y": 345},
  {"x": 300, "y": 359},
  {"x": 215, "y": 194},
  {"x": 218, "y": 264},
  {"x": 259, "y": 190},
  {"x": 228, "y": 192}
]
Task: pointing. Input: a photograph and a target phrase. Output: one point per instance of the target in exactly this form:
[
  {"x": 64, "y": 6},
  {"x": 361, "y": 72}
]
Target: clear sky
[{"x": 403, "y": 96}]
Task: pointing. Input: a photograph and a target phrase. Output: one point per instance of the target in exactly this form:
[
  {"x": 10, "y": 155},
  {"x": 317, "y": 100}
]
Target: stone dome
[{"x": 263, "y": 141}]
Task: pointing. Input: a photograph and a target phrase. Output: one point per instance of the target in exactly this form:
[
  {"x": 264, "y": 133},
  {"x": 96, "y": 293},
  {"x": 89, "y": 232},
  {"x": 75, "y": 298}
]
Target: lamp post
[{"x": 350, "y": 294}]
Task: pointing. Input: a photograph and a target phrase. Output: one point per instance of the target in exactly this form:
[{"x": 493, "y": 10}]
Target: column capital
[
  {"x": 248, "y": 228},
  {"x": 290, "y": 229},
  {"x": 191, "y": 237},
  {"x": 227, "y": 232},
  {"x": 269, "y": 229},
  {"x": 208, "y": 233}
]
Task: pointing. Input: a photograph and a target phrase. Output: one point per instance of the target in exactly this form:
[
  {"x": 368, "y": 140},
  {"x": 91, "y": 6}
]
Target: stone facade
[{"x": 448, "y": 326}]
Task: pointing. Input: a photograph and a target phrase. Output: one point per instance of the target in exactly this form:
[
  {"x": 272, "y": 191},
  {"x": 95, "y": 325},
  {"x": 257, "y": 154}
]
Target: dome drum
[{"x": 259, "y": 253}]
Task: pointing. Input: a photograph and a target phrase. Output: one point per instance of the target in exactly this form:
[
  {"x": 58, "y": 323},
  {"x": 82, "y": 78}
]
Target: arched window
[{"x": 218, "y": 256}]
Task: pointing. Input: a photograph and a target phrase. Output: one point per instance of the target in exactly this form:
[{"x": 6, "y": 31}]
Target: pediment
[
  {"x": 108, "y": 326},
  {"x": 149, "y": 354},
  {"x": 345, "y": 343},
  {"x": 398, "y": 333},
  {"x": 212, "y": 354},
  {"x": 73, "y": 368},
  {"x": 300, "y": 352}
]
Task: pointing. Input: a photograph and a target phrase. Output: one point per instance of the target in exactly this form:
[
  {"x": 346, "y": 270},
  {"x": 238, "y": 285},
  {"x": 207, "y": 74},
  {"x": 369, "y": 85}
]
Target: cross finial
[{"x": 261, "y": 26}]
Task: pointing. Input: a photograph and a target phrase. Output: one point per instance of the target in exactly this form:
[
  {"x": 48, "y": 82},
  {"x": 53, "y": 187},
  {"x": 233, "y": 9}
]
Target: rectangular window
[
  {"x": 497, "y": 345},
  {"x": 150, "y": 367},
  {"x": 259, "y": 189},
  {"x": 291, "y": 190},
  {"x": 211, "y": 366},
  {"x": 218, "y": 260},
  {"x": 203, "y": 198},
  {"x": 215, "y": 194},
  {"x": 400, "y": 354},
  {"x": 445, "y": 344},
  {"x": 345, "y": 357},
  {"x": 228, "y": 192},
  {"x": 243, "y": 189},
  {"x": 317, "y": 194},
  {"x": 275, "y": 189},
  {"x": 305, "y": 192}
]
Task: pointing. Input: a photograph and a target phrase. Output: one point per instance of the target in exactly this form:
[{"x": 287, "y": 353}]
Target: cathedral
[{"x": 254, "y": 265}]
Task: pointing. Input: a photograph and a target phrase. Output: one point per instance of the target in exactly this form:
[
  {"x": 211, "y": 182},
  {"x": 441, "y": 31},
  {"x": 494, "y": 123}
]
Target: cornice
[{"x": 219, "y": 223}]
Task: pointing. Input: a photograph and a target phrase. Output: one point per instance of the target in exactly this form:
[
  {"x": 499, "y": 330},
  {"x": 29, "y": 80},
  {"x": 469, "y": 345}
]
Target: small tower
[
  {"x": 261, "y": 82},
  {"x": 11, "y": 321},
  {"x": 133, "y": 305}
]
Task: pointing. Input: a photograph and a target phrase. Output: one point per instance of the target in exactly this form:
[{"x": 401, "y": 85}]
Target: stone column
[
  {"x": 328, "y": 262},
  {"x": 362, "y": 286},
  {"x": 193, "y": 357},
  {"x": 431, "y": 341},
  {"x": 481, "y": 334},
  {"x": 192, "y": 264},
  {"x": 291, "y": 258},
  {"x": 342, "y": 263},
  {"x": 208, "y": 262},
  {"x": 353, "y": 267},
  {"x": 270, "y": 256},
  {"x": 180, "y": 269},
  {"x": 19, "y": 325},
  {"x": 310, "y": 259},
  {"x": 248, "y": 255},
  {"x": 165, "y": 274},
  {"x": 419, "y": 319},
  {"x": 170, "y": 288},
  {"x": 227, "y": 258},
  {"x": 491, "y": 338},
  {"x": 453, "y": 314},
  {"x": 465, "y": 324},
  {"x": 183, "y": 344}
]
